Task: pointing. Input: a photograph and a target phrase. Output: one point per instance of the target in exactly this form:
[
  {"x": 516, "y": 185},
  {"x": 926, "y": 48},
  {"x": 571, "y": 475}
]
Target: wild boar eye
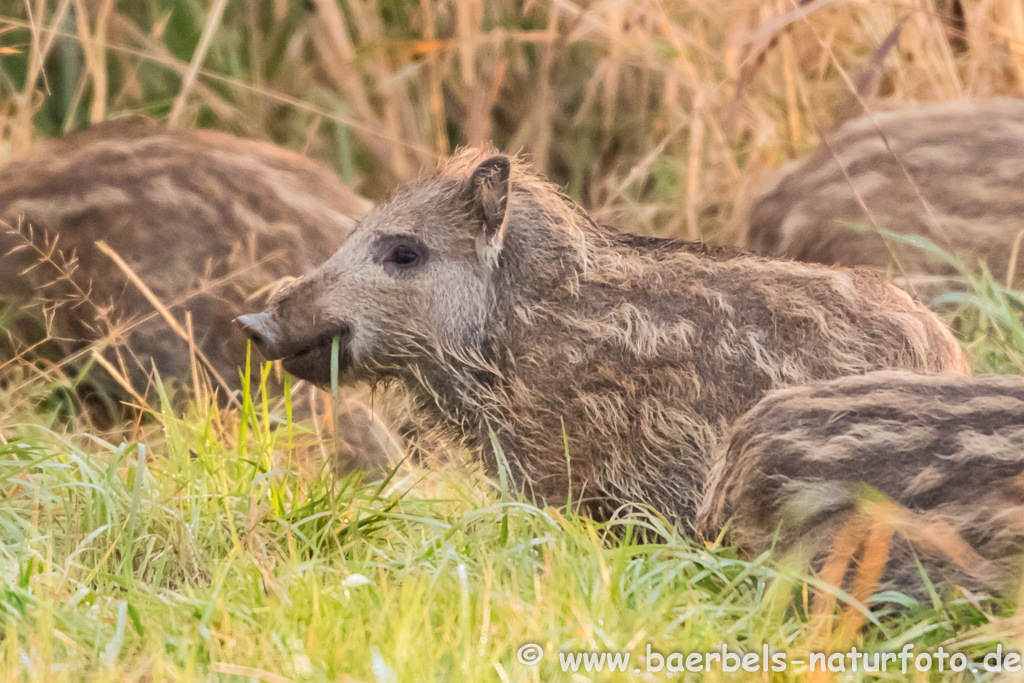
[
  {"x": 404, "y": 256},
  {"x": 399, "y": 253}
]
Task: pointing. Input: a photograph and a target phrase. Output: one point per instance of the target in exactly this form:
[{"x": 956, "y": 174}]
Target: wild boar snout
[{"x": 264, "y": 333}]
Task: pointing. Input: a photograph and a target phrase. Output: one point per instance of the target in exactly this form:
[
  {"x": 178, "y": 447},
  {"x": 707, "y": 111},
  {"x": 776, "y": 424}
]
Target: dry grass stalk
[
  {"x": 212, "y": 23},
  {"x": 171, "y": 321},
  {"x": 94, "y": 47},
  {"x": 437, "y": 110},
  {"x": 197, "y": 385},
  {"x": 119, "y": 377}
]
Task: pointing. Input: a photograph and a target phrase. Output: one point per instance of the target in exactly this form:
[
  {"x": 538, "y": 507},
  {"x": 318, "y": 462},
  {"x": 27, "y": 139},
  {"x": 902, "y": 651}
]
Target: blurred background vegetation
[
  {"x": 666, "y": 116},
  {"x": 663, "y": 116}
]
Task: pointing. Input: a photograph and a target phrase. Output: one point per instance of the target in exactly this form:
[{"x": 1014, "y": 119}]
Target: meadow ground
[{"x": 201, "y": 543}]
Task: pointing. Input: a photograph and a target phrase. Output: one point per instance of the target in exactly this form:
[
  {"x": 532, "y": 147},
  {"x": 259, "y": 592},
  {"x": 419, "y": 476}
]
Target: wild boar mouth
[
  {"x": 310, "y": 358},
  {"x": 313, "y": 361}
]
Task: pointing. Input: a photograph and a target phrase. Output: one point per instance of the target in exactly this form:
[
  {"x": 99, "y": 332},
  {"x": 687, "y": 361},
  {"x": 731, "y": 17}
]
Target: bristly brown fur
[
  {"x": 195, "y": 214},
  {"x": 643, "y": 350},
  {"x": 948, "y": 450},
  {"x": 965, "y": 162}
]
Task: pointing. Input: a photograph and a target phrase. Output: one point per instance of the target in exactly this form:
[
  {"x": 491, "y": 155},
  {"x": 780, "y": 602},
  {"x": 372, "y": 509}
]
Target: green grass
[
  {"x": 207, "y": 545},
  {"x": 196, "y": 556}
]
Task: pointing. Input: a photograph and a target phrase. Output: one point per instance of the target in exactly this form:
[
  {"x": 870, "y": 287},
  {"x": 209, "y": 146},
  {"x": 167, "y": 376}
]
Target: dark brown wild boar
[
  {"x": 808, "y": 462},
  {"x": 501, "y": 306},
  {"x": 205, "y": 219},
  {"x": 951, "y": 172},
  {"x": 208, "y": 221}
]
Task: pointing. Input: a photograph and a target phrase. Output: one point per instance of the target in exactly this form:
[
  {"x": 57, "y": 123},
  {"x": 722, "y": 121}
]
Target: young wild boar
[
  {"x": 205, "y": 220},
  {"x": 951, "y": 172},
  {"x": 501, "y": 306},
  {"x": 948, "y": 450}
]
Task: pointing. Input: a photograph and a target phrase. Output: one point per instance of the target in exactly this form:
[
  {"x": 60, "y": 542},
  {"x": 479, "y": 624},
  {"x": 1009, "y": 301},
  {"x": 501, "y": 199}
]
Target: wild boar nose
[{"x": 263, "y": 332}]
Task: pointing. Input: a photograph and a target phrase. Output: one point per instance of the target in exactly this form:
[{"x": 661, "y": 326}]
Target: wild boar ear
[{"x": 489, "y": 188}]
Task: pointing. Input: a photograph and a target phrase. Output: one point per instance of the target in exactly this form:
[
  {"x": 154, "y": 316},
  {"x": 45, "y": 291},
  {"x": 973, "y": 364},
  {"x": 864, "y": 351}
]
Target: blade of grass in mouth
[{"x": 335, "y": 349}]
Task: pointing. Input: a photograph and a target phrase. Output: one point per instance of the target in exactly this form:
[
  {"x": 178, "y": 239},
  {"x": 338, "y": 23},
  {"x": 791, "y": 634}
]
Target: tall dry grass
[{"x": 662, "y": 116}]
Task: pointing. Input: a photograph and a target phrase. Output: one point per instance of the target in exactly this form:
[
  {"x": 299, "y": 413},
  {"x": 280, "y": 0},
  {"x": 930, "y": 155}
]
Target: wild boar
[
  {"x": 604, "y": 364},
  {"x": 207, "y": 221},
  {"x": 936, "y": 463},
  {"x": 951, "y": 172}
]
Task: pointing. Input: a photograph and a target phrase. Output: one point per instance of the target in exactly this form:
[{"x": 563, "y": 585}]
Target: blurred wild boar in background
[
  {"x": 210, "y": 223},
  {"x": 951, "y": 172}
]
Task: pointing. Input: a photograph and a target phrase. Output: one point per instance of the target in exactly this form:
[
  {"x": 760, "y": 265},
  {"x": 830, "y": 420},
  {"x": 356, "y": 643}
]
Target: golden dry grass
[{"x": 662, "y": 116}]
